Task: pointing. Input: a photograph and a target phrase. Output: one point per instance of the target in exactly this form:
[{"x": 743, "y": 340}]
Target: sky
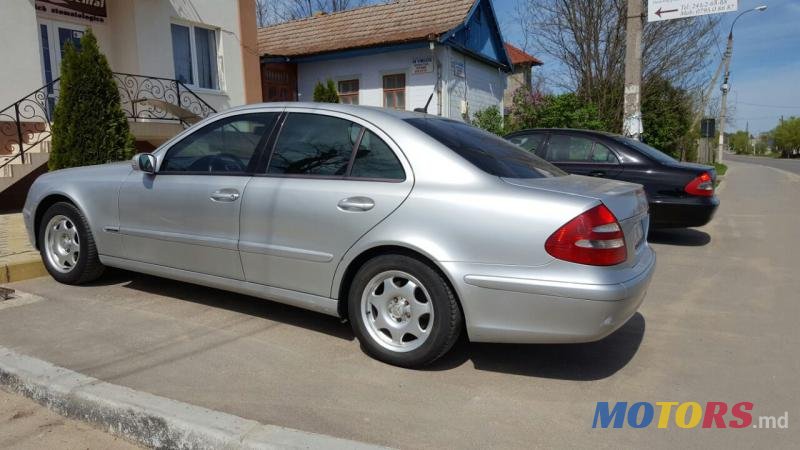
[{"x": 765, "y": 68}]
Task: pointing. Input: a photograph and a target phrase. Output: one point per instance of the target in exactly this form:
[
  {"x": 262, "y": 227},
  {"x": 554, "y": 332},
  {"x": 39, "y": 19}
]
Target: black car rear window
[
  {"x": 648, "y": 151},
  {"x": 492, "y": 154}
]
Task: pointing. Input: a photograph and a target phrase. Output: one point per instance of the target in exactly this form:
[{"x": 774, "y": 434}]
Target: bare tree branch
[
  {"x": 588, "y": 38},
  {"x": 270, "y": 12}
]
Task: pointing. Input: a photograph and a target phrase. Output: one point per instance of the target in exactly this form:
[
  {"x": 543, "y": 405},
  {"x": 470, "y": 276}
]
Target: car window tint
[
  {"x": 530, "y": 142},
  {"x": 651, "y": 152},
  {"x": 603, "y": 154},
  {"x": 225, "y": 146},
  {"x": 567, "y": 148},
  {"x": 313, "y": 144},
  {"x": 375, "y": 159},
  {"x": 488, "y": 152}
]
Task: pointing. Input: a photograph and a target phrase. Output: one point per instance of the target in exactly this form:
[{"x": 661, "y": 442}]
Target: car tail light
[
  {"x": 594, "y": 238},
  {"x": 703, "y": 186}
]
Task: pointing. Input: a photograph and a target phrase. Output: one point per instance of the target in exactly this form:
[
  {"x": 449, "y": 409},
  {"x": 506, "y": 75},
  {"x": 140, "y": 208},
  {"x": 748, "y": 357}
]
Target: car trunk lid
[
  {"x": 627, "y": 201},
  {"x": 624, "y": 199}
]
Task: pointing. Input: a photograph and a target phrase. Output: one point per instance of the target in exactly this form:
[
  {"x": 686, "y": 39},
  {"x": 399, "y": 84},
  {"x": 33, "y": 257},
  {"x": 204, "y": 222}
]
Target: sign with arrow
[{"x": 678, "y": 9}]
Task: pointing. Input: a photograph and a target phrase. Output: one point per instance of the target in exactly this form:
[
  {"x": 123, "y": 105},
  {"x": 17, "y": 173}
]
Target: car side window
[
  {"x": 375, "y": 159},
  {"x": 604, "y": 155},
  {"x": 314, "y": 145},
  {"x": 530, "y": 142},
  {"x": 565, "y": 148},
  {"x": 225, "y": 146}
]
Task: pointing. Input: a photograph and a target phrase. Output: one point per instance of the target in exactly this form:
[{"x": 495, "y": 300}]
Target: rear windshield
[
  {"x": 646, "y": 149},
  {"x": 492, "y": 154}
]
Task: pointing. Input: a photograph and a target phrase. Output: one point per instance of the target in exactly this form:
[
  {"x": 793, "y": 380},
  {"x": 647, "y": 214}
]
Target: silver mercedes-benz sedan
[{"x": 412, "y": 227}]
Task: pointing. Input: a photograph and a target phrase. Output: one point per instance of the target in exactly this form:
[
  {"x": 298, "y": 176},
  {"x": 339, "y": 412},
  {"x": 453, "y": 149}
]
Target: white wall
[
  {"x": 370, "y": 71},
  {"x": 20, "y": 61},
  {"x": 135, "y": 37},
  {"x": 482, "y": 87}
]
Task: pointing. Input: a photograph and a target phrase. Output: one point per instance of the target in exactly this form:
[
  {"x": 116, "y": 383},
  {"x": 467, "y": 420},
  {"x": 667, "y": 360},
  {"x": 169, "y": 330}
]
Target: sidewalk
[
  {"x": 18, "y": 259},
  {"x": 25, "y": 424}
]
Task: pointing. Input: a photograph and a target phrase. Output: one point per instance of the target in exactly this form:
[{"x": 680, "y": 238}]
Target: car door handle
[
  {"x": 356, "y": 204},
  {"x": 225, "y": 195},
  {"x": 597, "y": 173}
]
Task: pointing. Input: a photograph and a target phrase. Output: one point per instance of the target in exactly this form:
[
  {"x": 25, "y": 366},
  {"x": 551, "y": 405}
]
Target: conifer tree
[{"x": 89, "y": 126}]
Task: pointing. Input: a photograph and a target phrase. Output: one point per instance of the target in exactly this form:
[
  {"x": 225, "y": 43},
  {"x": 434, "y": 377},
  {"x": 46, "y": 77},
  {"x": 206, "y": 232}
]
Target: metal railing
[
  {"x": 27, "y": 122},
  {"x": 133, "y": 89}
]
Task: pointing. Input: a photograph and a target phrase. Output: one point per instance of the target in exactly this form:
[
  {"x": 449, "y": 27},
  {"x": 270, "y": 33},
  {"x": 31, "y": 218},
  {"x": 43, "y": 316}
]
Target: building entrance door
[
  {"x": 53, "y": 37},
  {"x": 279, "y": 82}
]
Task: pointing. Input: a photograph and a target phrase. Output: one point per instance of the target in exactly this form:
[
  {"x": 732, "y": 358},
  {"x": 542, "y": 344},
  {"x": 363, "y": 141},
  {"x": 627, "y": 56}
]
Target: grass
[{"x": 721, "y": 169}]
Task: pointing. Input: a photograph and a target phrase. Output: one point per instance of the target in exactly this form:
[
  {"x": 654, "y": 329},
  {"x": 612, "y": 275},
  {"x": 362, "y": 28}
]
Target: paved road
[
  {"x": 720, "y": 323},
  {"x": 26, "y": 425},
  {"x": 791, "y": 165}
]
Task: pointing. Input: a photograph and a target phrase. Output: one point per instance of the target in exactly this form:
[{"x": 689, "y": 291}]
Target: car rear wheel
[
  {"x": 403, "y": 311},
  {"x": 67, "y": 245}
]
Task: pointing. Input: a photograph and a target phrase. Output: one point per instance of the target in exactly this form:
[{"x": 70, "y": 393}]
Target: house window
[
  {"x": 394, "y": 91},
  {"x": 348, "y": 92},
  {"x": 194, "y": 53}
]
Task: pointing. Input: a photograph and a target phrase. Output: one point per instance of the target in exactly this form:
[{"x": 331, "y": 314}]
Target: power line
[{"x": 767, "y": 106}]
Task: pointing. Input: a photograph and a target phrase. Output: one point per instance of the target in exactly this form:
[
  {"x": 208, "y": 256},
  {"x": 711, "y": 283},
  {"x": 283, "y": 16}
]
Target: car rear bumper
[
  {"x": 517, "y": 310},
  {"x": 693, "y": 212}
]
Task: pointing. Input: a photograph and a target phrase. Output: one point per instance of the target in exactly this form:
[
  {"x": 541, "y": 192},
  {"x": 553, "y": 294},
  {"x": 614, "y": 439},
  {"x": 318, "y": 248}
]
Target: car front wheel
[
  {"x": 67, "y": 245},
  {"x": 403, "y": 311}
]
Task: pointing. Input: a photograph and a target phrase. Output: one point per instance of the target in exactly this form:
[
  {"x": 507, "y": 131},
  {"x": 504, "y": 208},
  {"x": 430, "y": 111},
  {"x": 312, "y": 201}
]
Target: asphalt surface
[
  {"x": 791, "y": 165},
  {"x": 719, "y": 324}
]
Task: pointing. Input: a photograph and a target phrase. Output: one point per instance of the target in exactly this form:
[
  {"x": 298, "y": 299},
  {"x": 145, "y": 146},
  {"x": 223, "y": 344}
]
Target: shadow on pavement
[
  {"x": 230, "y": 301},
  {"x": 579, "y": 362},
  {"x": 686, "y": 237},
  {"x": 576, "y": 362}
]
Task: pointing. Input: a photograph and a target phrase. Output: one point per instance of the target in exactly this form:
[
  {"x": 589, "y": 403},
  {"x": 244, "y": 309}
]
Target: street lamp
[{"x": 725, "y": 83}]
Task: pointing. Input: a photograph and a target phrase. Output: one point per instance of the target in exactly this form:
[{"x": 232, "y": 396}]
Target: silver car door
[
  {"x": 186, "y": 216},
  {"x": 317, "y": 198}
]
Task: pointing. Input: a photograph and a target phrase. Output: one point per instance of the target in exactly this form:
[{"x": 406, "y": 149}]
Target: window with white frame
[{"x": 194, "y": 53}]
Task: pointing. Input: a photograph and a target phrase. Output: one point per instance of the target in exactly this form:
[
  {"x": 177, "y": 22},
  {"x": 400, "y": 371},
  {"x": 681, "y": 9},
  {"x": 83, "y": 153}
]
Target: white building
[
  {"x": 196, "y": 55},
  {"x": 395, "y": 55}
]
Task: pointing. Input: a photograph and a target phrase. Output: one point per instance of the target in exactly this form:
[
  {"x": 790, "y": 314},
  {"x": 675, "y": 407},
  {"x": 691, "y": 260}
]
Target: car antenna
[{"x": 425, "y": 109}]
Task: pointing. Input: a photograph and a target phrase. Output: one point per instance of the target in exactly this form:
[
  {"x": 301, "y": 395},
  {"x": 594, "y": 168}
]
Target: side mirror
[{"x": 145, "y": 162}]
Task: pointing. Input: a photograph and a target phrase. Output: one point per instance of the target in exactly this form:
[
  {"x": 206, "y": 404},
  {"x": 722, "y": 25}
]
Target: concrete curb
[
  {"x": 144, "y": 418},
  {"x": 22, "y": 270}
]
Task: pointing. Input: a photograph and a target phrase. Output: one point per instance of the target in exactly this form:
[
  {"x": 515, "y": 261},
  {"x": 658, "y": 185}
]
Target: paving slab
[{"x": 18, "y": 259}]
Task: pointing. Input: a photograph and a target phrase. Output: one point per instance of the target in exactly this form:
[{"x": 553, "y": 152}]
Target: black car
[{"x": 680, "y": 194}]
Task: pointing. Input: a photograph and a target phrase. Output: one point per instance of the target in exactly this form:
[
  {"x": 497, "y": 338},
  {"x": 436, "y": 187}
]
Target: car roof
[{"x": 356, "y": 110}]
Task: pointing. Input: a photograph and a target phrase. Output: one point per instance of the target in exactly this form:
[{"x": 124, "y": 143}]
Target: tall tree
[
  {"x": 787, "y": 136},
  {"x": 270, "y": 12},
  {"x": 587, "y": 37},
  {"x": 89, "y": 126},
  {"x": 667, "y": 116}
]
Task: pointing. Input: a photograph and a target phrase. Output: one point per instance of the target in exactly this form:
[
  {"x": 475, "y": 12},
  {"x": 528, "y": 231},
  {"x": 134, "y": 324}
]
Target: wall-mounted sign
[
  {"x": 89, "y": 10},
  {"x": 422, "y": 64},
  {"x": 459, "y": 70}
]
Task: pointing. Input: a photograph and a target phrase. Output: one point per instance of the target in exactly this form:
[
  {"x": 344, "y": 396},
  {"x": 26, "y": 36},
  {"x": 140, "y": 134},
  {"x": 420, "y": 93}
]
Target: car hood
[{"x": 624, "y": 199}]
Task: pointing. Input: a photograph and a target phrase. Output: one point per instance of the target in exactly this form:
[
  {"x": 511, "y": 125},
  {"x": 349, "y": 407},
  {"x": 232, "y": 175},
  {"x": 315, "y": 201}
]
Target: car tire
[
  {"x": 67, "y": 246},
  {"x": 403, "y": 311}
]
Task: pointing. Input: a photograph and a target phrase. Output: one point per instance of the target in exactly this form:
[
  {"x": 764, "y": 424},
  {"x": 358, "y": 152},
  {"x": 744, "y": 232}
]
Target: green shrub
[
  {"x": 326, "y": 92},
  {"x": 89, "y": 126},
  {"x": 490, "y": 119},
  {"x": 536, "y": 110}
]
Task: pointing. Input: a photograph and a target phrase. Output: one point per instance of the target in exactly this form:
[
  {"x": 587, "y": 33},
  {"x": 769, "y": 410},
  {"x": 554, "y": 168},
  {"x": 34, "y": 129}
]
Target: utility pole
[
  {"x": 725, "y": 88},
  {"x": 632, "y": 114}
]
